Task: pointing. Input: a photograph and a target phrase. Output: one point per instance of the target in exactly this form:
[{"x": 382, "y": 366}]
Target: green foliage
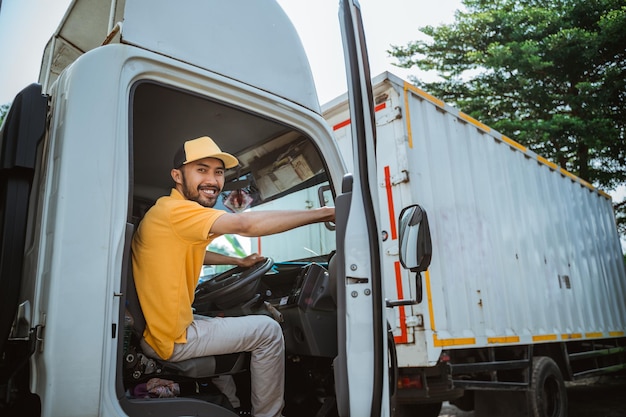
[
  {"x": 550, "y": 74},
  {"x": 236, "y": 247},
  {"x": 227, "y": 245},
  {"x": 4, "y": 109}
]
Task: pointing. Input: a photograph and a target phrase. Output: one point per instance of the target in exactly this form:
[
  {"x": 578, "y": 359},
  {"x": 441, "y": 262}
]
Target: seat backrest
[
  {"x": 132, "y": 303},
  {"x": 133, "y": 308}
]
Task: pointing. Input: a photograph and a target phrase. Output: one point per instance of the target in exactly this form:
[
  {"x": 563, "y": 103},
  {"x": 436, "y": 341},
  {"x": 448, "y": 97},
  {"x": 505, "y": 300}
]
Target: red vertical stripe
[
  {"x": 392, "y": 213},
  {"x": 403, "y": 336}
]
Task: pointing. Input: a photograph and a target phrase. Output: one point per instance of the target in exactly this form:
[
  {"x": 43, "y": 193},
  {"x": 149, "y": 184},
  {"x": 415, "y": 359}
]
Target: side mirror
[{"x": 416, "y": 248}]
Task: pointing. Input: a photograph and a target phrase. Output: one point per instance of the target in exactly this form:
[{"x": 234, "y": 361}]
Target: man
[{"x": 169, "y": 249}]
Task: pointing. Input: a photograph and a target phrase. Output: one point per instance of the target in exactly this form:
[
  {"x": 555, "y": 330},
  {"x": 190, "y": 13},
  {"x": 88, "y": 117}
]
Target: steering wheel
[{"x": 233, "y": 287}]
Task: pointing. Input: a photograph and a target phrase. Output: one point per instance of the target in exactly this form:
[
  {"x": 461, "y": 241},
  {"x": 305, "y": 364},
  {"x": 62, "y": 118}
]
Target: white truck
[
  {"x": 86, "y": 150},
  {"x": 527, "y": 286}
]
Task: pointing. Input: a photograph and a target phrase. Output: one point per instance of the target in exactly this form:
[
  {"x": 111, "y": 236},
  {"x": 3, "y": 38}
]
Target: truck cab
[{"x": 88, "y": 149}]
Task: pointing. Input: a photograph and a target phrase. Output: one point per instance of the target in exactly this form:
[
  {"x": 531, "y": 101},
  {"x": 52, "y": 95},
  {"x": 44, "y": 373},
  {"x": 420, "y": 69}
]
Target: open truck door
[
  {"x": 361, "y": 363},
  {"x": 20, "y": 142}
]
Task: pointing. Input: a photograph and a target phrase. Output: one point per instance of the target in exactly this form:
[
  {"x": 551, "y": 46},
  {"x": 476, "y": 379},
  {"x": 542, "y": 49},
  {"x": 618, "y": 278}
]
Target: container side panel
[{"x": 522, "y": 253}]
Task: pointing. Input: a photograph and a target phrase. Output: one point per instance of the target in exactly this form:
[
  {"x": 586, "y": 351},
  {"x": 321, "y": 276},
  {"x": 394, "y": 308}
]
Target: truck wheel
[
  {"x": 547, "y": 397},
  {"x": 421, "y": 410}
]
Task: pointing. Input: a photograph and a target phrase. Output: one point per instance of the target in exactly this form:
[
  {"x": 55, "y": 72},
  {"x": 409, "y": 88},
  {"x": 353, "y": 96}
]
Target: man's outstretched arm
[{"x": 263, "y": 223}]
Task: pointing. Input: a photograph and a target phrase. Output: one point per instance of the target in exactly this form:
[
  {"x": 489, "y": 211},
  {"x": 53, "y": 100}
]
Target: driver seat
[{"x": 205, "y": 367}]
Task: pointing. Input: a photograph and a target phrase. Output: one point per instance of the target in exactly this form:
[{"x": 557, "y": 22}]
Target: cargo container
[{"x": 526, "y": 287}]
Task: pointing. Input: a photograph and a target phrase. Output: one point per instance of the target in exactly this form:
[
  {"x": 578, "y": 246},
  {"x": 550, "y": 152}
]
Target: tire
[
  {"x": 418, "y": 410},
  {"x": 548, "y": 396}
]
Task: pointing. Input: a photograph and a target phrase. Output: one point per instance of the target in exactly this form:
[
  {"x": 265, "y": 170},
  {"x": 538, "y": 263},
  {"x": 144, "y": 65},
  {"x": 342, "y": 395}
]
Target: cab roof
[{"x": 250, "y": 41}]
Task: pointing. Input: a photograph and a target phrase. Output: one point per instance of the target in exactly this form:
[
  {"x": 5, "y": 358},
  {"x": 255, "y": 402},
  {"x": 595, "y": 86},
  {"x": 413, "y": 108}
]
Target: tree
[{"x": 551, "y": 74}]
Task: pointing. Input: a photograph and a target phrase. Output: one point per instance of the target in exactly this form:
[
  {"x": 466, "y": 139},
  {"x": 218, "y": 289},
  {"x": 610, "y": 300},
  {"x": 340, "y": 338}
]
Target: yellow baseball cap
[{"x": 202, "y": 147}]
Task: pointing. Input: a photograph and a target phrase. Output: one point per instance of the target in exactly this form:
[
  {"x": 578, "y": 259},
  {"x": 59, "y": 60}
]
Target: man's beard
[{"x": 200, "y": 198}]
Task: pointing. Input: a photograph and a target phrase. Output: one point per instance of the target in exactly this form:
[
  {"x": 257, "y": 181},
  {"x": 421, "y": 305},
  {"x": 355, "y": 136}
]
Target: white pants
[{"x": 260, "y": 335}]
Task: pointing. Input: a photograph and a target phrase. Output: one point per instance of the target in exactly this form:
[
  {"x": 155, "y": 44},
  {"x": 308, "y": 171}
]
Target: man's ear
[{"x": 176, "y": 176}]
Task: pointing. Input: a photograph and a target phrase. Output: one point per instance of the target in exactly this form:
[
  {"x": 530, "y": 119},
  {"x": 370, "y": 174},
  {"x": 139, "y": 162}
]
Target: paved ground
[{"x": 595, "y": 397}]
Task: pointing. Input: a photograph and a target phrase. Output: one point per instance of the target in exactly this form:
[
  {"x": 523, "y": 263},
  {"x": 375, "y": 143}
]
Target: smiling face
[{"x": 200, "y": 181}]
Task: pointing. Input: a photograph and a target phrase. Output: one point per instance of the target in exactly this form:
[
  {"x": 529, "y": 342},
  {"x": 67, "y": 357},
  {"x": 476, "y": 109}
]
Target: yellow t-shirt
[{"x": 168, "y": 253}]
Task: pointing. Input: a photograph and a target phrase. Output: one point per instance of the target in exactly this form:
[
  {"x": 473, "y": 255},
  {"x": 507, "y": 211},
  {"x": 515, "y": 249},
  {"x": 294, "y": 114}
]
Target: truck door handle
[{"x": 397, "y": 303}]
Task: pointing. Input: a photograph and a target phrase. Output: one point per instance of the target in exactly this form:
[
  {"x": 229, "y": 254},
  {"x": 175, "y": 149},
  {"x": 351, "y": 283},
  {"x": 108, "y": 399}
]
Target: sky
[{"x": 27, "y": 25}]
